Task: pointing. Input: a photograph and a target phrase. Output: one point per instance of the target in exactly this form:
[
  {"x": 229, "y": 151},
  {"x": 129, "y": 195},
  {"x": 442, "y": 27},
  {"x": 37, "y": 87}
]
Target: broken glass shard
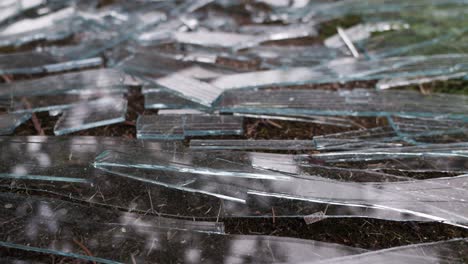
[
  {"x": 418, "y": 39},
  {"x": 180, "y": 112},
  {"x": 416, "y": 128},
  {"x": 194, "y": 177},
  {"x": 294, "y": 56},
  {"x": 47, "y": 226},
  {"x": 379, "y": 137},
  {"x": 251, "y": 36},
  {"x": 325, "y": 10},
  {"x": 58, "y": 102},
  {"x": 161, "y": 33},
  {"x": 41, "y": 62},
  {"x": 357, "y": 102},
  {"x": 200, "y": 73},
  {"x": 349, "y": 69},
  {"x": 10, "y": 121},
  {"x": 399, "y": 82},
  {"x": 450, "y": 251},
  {"x": 401, "y": 129},
  {"x": 12, "y": 8},
  {"x": 226, "y": 176},
  {"x": 153, "y": 65},
  {"x": 240, "y": 144},
  {"x": 361, "y": 32},
  {"x": 167, "y": 127},
  {"x": 76, "y": 213},
  {"x": 325, "y": 120},
  {"x": 52, "y": 27},
  {"x": 214, "y": 39},
  {"x": 431, "y": 158},
  {"x": 52, "y": 226},
  {"x": 178, "y": 127},
  {"x": 192, "y": 89},
  {"x": 82, "y": 81},
  {"x": 164, "y": 99},
  {"x": 104, "y": 111}
]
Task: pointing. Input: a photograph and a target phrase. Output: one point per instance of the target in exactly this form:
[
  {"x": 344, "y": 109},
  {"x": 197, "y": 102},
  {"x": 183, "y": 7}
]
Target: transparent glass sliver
[
  {"x": 192, "y": 89},
  {"x": 240, "y": 177},
  {"x": 10, "y": 121},
  {"x": 41, "y": 62},
  {"x": 51, "y": 27},
  {"x": 56, "y": 225},
  {"x": 253, "y": 144},
  {"x": 357, "y": 102},
  {"x": 176, "y": 126},
  {"x": 348, "y": 69},
  {"x": 10, "y": 9},
  {"x": 68, "y": 82},
  {"x": 86, "y": 115},
  {"x": 450, "y": 251},
  {"x": 163, "y": 99},
  {"x": 400, "y": 82}
]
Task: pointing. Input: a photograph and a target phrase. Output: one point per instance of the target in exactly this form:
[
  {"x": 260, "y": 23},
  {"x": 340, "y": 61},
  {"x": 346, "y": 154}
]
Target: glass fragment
[{"x": 86, "y": 115}]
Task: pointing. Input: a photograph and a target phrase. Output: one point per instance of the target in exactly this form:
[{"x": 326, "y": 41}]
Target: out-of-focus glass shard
[
  {"x": 85, "y": 115},
  {"x": 251, "y": 36},
  {"x": 379, "y": 137},
  {"x": 52, "y": 27},
  {"x": 345, "y": 70},
  {"x": 41, "y": 62},
  {"x": 418, "y": 39},
  {"x": 26, "y": 25},
  {"x": 10, "y": 121},
  {"x": 295, "y": 56},
  {"x": 173, "y": 126},
  {"x": 164, "y": 99},
  {"x": 424, "y": 158},
  {"x": 357, "y": 102},
  {"x": 324, "y": 120},
  {"x": 399, "y": 82},
  {"x": 450, "y": 251},
  {"x": 326, "y": 10},
  {"x": 408, "y": 127},
  {"x": 58, "y": 102},
  {"x": 401, "y": 129},
  {"x": 161, "y": 33},
  {"x": 90, "y": 80},
  {"x": 215, "y": 39},
  {"x": 12, "y": 8},
  {"x": 57, "y": 92},
  {"x": 152, "y": 65},
  {"x": 253, "y": 144},
  {"x": 362, "y": 32},
  {"x": 192, "y": 89},
  {"x": 67, "y": 162},
  {"x": 180, "y": 112},
  {"x": 107, "y": 217},
  {"x": 200, "y": 73},
  {"x": 52, "y": 226}
]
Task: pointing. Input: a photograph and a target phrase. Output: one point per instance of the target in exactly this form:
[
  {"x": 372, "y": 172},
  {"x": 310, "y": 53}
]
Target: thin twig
[
  {"x": 273, "y": 123},
  {"x": 7, "y": 78},
  {"x": 274, "y": 215},
  {"x": 85, "y": 249},
  {"x": 35, "y": 120}
]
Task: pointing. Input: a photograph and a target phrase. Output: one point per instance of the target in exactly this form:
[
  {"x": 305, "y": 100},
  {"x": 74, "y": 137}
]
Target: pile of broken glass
[{"x": 385, "y": 80}]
